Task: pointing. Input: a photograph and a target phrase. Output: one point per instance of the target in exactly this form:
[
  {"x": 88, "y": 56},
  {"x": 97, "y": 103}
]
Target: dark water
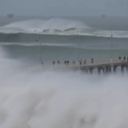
[{"x": 51, "y": 52}]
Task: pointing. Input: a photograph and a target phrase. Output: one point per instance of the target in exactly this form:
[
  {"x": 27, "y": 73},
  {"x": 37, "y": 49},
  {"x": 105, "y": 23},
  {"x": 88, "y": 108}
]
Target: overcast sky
[{"x": 64, "y": 7}]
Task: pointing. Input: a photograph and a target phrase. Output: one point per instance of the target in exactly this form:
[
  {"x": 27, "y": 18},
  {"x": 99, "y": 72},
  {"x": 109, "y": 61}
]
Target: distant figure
[
  {"x": 80, "y": 62},
  {"x": 84, "y": 61},
  {"x": 65, "y": 62},
  {"x": 58, "y": 62},
  {"x": 119, "y": 58},
  {"x": 92, "y": 60},
  {"x": 124, "y": 58},
  {"x": 42, "y": 63},
  {"x": 53, "y": 62},
  {"x": 73, "y": 62}
]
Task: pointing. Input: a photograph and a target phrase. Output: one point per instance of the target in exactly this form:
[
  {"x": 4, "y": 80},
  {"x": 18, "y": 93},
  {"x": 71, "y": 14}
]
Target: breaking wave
[
  {"x": 56, "y": 26},
  {"x": 44, "y": 25}
]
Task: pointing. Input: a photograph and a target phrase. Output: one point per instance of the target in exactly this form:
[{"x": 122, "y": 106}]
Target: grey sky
[{"x": 64, "y": 7}]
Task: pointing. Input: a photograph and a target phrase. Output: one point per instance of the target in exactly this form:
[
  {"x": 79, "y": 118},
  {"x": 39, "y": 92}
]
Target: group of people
[
  {"x": 124, "y": 58},
  {"x": 66, "y": 62}
]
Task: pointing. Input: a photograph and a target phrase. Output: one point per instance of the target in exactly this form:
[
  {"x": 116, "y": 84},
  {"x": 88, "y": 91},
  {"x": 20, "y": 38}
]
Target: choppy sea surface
[{"x": 34, "y": 97}]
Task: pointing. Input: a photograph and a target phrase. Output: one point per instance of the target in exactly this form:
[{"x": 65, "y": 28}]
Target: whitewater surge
[
  {"x": 45, "y": 25},
  {"x": 34, "y": 98},
  {"x": 59, "y": 26}
]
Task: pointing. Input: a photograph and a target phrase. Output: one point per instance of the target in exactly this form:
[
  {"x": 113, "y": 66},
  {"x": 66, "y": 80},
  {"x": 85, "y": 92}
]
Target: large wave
[
  {"x": 44, "y": 25},
  {"x": 56, "y": 26},
  {"x": 33, "y": 98}
]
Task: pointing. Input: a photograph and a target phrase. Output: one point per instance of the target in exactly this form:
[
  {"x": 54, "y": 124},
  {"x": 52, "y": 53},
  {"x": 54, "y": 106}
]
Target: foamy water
[
  {"x": 37, "y": 25},
  {"x": 59, "y": 26},
  {"x": 34, "y": 98}
]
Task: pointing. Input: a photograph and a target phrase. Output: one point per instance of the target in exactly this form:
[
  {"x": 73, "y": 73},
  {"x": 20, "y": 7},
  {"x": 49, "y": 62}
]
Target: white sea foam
[
  {"x": 33, "y": 98},
  {"x": 57, "y": 26},
  {"x": 51, "y": 24}
]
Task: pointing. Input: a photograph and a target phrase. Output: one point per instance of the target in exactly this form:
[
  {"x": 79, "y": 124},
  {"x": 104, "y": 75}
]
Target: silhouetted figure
[
  {"x": 80, "y": 62},
  {"x": 84, "y": 61},
  {"x": 42, "y": 63},
  {"x": 53, "y": 62},
  {"x": 65, "y": 62},
  {"x": 124, "y": 58},
  {"x": 119, "y": 58},
  {"x": 92, "y": 61},
  {"x": 58, "y": 62}
]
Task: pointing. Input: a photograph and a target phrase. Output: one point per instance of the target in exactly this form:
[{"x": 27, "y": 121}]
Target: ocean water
[{"x": 32, "y": 96}]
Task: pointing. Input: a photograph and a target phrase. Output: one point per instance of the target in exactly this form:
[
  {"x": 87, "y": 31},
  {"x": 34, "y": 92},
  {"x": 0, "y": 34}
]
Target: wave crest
[
  {"x": 56, "y": 26},
  {"x": 51, "y": 24}
]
